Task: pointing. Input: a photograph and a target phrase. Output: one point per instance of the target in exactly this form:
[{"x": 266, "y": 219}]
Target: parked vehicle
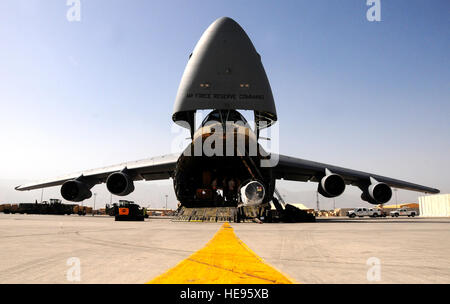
[
  {"x": 129, "y": 211},
  {"x": 110, "y": 209},
  {"x": 82, "y": 210},
  {"x": 403, "y": 212},
  {"x": 54, "y": 206},
  {"x": 5, "y": 208},
  {"x": 361, "y": 212}
]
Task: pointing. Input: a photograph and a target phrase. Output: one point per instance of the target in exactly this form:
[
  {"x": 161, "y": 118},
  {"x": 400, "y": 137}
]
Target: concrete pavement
[{"x": 36, "y": 248}]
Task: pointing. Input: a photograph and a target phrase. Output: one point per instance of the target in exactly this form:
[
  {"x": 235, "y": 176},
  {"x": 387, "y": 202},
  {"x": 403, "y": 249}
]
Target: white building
[{"x": 435, "y": 205}]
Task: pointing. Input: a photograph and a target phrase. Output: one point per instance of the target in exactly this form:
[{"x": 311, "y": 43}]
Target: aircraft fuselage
[{"x": 223, "y": 157}]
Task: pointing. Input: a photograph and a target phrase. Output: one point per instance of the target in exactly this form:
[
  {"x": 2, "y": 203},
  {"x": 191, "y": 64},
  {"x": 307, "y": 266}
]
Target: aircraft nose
[
  {"x": 225, "y": 24},
  {"x": 224, "y": 71}
]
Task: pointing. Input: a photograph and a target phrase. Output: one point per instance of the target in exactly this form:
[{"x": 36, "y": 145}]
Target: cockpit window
[{"x": 224, "y": 116}]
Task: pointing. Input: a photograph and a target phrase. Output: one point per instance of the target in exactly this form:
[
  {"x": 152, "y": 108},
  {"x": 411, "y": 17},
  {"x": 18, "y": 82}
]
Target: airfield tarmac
[{"x": 36, "y": 248}]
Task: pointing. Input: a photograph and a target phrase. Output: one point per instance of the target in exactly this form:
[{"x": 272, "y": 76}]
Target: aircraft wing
[
  {"x": 155, "y": 168},
  {"x": 297, "y": 169}
]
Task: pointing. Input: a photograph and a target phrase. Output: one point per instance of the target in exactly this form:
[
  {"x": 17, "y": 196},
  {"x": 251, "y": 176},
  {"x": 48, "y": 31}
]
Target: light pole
[
  {"x": 396, "y": 203},
  {"x": 166, "y": 201},
  {"x": 317, "y": 201},
  {"x": 95, "y": 196}
]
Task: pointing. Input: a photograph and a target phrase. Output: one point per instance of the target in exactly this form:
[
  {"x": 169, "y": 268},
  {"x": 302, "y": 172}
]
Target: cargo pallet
[{"x": 217, "y": 214}]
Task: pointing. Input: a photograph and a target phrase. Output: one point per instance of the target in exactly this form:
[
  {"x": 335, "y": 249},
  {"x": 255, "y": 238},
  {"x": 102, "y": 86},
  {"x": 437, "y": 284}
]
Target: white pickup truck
[
  {"x": 361, "y": 212},
  {"x": 403, "y": 212}
]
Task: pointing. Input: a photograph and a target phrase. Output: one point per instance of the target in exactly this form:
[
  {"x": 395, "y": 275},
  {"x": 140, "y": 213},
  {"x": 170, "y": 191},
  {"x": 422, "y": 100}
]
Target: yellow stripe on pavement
[{"x": 225, "y": 259}]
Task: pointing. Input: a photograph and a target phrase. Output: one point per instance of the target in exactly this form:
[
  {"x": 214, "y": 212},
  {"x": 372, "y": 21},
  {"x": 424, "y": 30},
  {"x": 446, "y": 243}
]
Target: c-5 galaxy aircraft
[{"x": 225, "y": 74}]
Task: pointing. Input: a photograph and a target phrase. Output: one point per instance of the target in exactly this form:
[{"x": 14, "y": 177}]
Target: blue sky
[{"x": 373, "y": 96}]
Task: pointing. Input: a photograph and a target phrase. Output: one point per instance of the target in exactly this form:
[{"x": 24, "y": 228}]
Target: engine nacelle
[
  {"x": 252, "y": 193},
  {"x": 331, "y": 185},
  {"x": 380, "y": 192},
  {"x": 377, "y": 193},
  {"x": 120, "y": 183},
  {"x": 76, "y": 190}
]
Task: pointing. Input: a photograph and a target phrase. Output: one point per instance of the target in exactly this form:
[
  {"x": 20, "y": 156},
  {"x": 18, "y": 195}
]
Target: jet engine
[
  {"x": 76, "y": 190},
  {"x": 377, "y": 193},
  {"x": 331, "y": 185},
  {"x": 120, "y": 183},
  {"x": 252, "y": 193}
]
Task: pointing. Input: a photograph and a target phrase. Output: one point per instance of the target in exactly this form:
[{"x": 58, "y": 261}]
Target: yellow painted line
[{"x": 225, "y": 259}]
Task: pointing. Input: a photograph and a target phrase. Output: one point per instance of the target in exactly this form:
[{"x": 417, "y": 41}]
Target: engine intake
[
  {"x": 380, "y": 192},
  {"x": 252, "y": 193},
  {"x": 377, "y": 193},
  {"x": 331, "y": 185},
  {"x": 76, "y": 190},
  {"x": 120, "y": 183}
]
